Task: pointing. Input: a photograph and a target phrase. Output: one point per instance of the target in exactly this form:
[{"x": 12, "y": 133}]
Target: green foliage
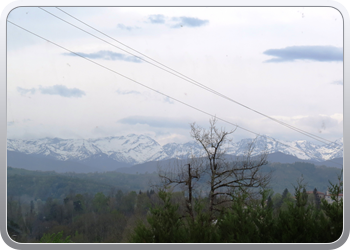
[
  {"x": 270, "y": 203},
  {"x": 143, "y": 203},
  {"x": 285, "y": 174},
  {"x": 242, "y": 217},
  {"x": 248, "y": 222},
  {"x": 201, "y": 229},
  {"x": 44, "y": 184},
  {"x": 297, "y": 223},
  {"x": 165, "y": 224},
  {"x": 263, "y": 218},
  {"x": 305, "y": 222},
  {"x": 100, "y": 202},
  {"x": 55, "y": 238},
  {"x": 280, "y": 201},
  {"x": 55, "y": 186},
  {"x": 128, "y": 202},
  {"x": 90, "y": 215},
  {"x": 317, "y": 199},
  {"x": 334, "y": 210},
  {"x": 41, "y": 184}
]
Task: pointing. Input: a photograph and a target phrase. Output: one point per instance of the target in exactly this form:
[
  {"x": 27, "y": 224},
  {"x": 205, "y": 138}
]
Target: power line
[
  {"x": 130, "y": 79},
  {"x": 184, "y": 77}
]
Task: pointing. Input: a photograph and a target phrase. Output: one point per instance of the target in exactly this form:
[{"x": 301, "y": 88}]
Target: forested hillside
[
  {"x": 106, "y": 207},
  {"x": 41, "y": 184}
]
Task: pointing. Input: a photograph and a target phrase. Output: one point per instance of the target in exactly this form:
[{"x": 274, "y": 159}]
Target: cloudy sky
[{"x": 286, "y": 63}]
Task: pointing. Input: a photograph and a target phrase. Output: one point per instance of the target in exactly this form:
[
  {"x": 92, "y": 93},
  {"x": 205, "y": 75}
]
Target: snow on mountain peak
[{"x": 135, "y": 149}]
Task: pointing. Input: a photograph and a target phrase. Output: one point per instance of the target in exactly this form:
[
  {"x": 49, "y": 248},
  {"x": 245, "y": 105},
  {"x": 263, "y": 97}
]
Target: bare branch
[{"x": 225, "y": 177}]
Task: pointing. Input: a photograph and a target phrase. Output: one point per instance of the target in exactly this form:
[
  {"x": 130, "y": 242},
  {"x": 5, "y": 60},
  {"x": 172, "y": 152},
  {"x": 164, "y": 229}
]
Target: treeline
[
  {"x": 102, "y": 208},
  {"x": 159, "y": 217},
  {"x": 45, "y": 184},
  {"x": 42, "y": 185},
  {"x": 302, "y": 218},
  {"x": 83, "y": 218},
  {"x": 285, "y": 174}
]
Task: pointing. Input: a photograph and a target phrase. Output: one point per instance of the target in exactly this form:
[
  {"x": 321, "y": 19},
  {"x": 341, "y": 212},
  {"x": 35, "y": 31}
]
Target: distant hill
[
  {"x": 285, "y": 175},
  {"x": 332, "y": 163},
  {"x": 283, "y": 158},
  {"x": 31, "y": 162},
  {"x": 102, "y": 163},
  {"x": 277, "y": 157},
  {"x": 44, "y": 184}
]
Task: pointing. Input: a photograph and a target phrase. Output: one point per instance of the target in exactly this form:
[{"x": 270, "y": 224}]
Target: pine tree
[
  {"x": 299, "y": 223},
  {"x": 334, "y": 210},
  {"x": 317, "y": 199},
  {"x": 165, "y": 224},
  {"x": 236, "y": 224},
  {"x": 55, "y": 238},
  {"x": 201, "y": 229},
  {"x": 269, "y": 202},
  {"x": 280, "y": 202}
]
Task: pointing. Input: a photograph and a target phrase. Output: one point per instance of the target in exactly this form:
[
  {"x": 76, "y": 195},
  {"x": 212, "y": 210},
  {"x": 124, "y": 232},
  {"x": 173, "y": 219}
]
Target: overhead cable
[
  {"x": 139, "y": 83},
  {"x": 184, "y": 77}
]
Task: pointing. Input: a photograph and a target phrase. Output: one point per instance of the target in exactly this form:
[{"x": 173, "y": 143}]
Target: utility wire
[
  {"x": 188, "y": 79},
  {"x": 130, "y": 79}
]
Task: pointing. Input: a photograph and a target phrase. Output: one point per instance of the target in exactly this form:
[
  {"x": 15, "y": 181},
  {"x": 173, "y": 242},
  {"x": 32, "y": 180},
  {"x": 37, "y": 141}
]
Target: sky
[{"x": 284, "y": 62}]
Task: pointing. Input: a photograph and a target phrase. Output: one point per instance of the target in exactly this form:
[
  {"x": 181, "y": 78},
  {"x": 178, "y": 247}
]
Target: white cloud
[
  {"x": 314, "y": 53},
  {"x": 60, "y": 90},
  {"x": 226, "y": 55}
]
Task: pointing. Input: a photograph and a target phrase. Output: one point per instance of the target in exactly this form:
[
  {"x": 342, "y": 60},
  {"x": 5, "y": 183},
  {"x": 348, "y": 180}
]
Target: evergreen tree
[
  {"x": 264, "y": 220},
  {"x": 280, "y": 202},
  {"x": 55, "y": 238},
  {"x": 299, "y": 223},
  {"x": 201, "y": 229},
  {"x": 100, "y": 202},
  {"x": 236, "y": 224},
  {"x": 269, "y": 202},
  {"x": 317, "y": 199},
  {"x": 165, "y": 224},
  {"x": 334, "y": 210}
]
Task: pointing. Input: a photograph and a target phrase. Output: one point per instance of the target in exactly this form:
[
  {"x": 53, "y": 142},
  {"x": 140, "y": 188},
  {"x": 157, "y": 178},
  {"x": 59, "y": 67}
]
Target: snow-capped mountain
[
  {"x": 131, "y": 149},
  {"x": 135, "y": 149},
  {"x": 301, "y": 149},
  {"x": 176, "y": 150}
]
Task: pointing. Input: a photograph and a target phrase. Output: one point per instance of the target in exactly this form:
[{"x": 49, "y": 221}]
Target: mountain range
[{"x": 110, "y": 153}]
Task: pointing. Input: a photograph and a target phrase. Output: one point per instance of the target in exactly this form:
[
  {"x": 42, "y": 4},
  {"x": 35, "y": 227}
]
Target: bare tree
[
  {"x": 226, "y": 178},
  {"x": 186, "y": 174}
]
